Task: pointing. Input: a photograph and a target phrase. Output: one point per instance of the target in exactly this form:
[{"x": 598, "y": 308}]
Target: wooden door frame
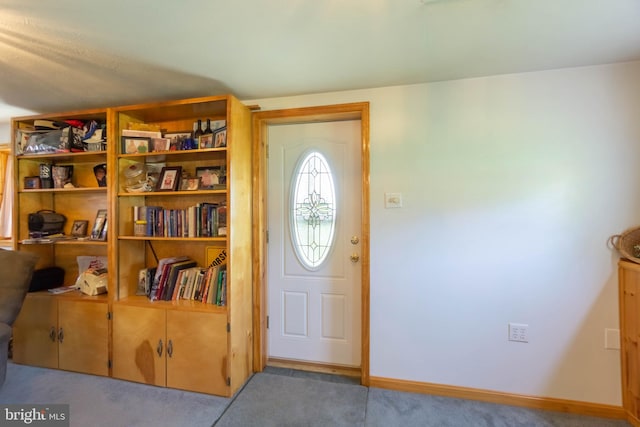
[{"x": 261, "y": 121}]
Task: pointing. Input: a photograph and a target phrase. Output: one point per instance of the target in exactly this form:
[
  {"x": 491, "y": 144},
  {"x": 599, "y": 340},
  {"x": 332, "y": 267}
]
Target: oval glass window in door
[{"x": 313, "y": 210}]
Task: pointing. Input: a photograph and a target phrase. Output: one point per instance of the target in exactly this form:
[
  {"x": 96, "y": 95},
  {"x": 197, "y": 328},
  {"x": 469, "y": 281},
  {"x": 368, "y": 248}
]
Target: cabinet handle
[
  {"x": 159, "y": 349},
  {"x": 60, "y": 335},
  {"x": 170, "y": 348},
  {"x": 52, "y": 334}
]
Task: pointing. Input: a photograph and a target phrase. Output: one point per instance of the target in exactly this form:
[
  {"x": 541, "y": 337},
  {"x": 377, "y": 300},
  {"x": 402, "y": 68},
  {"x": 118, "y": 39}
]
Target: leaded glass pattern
[{"x": 313, "y": 210}]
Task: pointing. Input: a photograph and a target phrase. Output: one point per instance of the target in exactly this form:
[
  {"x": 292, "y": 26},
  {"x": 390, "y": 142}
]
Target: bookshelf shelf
[
  {"x": 200, "y": 193},
  {"x": 65, "y": 190},
  {"x": 177, "y": 239}
]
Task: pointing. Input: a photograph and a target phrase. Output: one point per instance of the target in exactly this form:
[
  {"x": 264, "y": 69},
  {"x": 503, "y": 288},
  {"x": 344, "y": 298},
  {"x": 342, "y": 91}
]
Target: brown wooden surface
[
  {"x": 240, "y": 264},
  {"x": 32, "y": 344},
  {"x": 199, "y": 357},
  {"x": 82, "y": 319},
  {"x": 137, "y": 333},
  {"x": 85, "y": 329},
  {"x": 629, "y": 302}
]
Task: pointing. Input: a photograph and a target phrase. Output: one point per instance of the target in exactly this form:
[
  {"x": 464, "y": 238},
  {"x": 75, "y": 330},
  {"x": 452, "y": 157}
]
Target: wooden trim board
[{"x": 546, "y": 403}]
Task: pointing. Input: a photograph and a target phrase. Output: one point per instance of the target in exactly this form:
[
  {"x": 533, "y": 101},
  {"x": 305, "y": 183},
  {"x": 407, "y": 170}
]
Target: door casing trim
[{"x": 260, "y": 122}]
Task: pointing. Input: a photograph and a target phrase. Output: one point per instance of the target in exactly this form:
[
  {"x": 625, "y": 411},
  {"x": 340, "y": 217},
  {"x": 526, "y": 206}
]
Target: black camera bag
[{"x": 46, "y": 222}]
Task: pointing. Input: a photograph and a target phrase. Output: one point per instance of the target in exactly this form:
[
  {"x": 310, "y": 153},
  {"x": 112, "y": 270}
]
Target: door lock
[
  {"x": 355, "y": 240},
  {"x": 354, "y": 257}
]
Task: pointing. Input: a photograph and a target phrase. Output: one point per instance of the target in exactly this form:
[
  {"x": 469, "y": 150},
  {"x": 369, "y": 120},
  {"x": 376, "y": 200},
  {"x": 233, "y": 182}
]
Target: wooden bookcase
[
  {"x": 69, "y": 331},
  {"x": 182, "y": 344},
  {"x": 629, "y": 297}
]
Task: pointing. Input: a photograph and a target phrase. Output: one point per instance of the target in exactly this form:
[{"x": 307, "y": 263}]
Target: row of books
[
  {"x": 180, "y": 278},
  {"x": 201, "y": 220}
]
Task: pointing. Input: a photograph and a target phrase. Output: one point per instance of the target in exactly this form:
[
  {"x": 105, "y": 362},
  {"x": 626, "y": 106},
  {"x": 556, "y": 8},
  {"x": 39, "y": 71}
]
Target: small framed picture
[
  {"x": 177, "y": 139},
  {"x": 79, "y": 228},
  {"x": 169, "y": 178},
  {"x": 189, "y": 183},
  {"x": 160, "y": 144},
  {"x": 134, "y": 144},
  {"x": 206, "y": 141},
  {"x": 31, "y": 182},
  {"x": 208, "y": 177},
  {"x": 98, "y": 232},
  {"x": 220, "y": 137}
]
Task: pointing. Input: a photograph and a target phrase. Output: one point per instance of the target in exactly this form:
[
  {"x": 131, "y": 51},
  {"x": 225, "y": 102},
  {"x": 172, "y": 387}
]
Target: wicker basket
[{"x": 627, "y": 244}]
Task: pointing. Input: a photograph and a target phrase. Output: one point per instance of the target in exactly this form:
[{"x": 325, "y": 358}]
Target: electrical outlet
[{"x": 518, "y": 332}]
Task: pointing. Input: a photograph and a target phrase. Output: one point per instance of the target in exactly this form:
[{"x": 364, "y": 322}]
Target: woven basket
[{"x": 627, "y": 244}]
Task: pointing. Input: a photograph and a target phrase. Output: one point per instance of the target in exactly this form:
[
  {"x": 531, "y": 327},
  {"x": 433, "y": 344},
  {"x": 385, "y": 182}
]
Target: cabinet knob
[
  {"x": 159, "y": 348},
  {"x": 170, "y": 348},
  {"x": 61, "y": 335},
  {"x": 52, "y": 334}
]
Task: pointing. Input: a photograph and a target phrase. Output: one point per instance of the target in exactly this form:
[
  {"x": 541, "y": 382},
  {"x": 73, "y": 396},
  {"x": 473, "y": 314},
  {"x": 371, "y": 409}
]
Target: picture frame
[
  {"x": 208, "y": 177},
  {"x": 169, "y": 179},
  {"x": 206, "y": 141},
  {"x": 220, "y": 137},
  {"x": 176, "y": 139},
  {"x": 99, "y": 226},
  {"x": 188, "y": 182},
  {"x": 193, "y": 184},
  {"x": 160, "y": 144},
  {"x": 31, "y": 182},
  {"x": 135, "y": 144},
  {"x": 79, "y": 228}
]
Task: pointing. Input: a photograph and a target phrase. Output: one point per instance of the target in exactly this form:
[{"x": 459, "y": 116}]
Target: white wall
[
  {"x": 511, "y": 185},
  {"x": 5, "y": 132}
]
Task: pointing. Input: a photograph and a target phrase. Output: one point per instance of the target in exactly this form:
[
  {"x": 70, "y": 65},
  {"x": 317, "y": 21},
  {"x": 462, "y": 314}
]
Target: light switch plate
[{"x": 392, "y": 200}]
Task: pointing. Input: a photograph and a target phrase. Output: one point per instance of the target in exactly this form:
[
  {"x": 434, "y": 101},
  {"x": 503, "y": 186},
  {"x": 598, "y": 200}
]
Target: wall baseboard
[{"x": 547, "y": 403}]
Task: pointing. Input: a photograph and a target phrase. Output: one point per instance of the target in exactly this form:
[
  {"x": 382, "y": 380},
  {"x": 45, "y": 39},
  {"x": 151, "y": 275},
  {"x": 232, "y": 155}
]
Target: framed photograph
[
  {"x": 160, "y": 144},
  {"x": 176, "y": 140},
  {"x": 135, "y": 144},
  {"x": 192, "y": 184},
  {"x": 208, "y": 177},
  {"x": 79, "y": 228},
  {"x": 220, "y": 137},
  {"x": 31, "y": 182},
  {"x": 169, "y": 178},
  {"x": 99, "y": 226},
  {"x": 206, "y": 141}
]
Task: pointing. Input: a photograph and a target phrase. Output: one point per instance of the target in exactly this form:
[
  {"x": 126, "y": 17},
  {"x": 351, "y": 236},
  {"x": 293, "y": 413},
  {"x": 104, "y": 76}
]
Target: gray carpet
[
  {"x": 277, "y": 397},
  {"x": 99, "y": 401},
  {"x": 270, "y": 400}
]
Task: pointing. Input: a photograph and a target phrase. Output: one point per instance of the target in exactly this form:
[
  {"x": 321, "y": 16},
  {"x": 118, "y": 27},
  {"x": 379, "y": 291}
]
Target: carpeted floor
[{"x": 276, "y": 397}]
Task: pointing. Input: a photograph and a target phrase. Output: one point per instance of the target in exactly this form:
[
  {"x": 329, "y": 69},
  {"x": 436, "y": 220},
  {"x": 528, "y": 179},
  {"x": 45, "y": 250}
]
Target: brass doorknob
[
  {"x": 355, "y": 240},
  {"x": 354, "y": 257}
]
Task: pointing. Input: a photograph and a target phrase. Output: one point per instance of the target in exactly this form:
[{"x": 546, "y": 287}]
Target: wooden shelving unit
[
  {"x": 69, "y": 331},
  {"x": 130, "y": 336}
]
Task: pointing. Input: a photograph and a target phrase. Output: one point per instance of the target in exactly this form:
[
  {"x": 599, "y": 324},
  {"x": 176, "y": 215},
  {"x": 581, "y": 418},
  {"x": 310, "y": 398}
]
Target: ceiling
[{"x": 74, "y": 54}]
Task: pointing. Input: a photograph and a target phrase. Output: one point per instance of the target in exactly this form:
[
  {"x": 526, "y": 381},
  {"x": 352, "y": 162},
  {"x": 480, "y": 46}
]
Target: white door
[{"x": 314, "y": 219}]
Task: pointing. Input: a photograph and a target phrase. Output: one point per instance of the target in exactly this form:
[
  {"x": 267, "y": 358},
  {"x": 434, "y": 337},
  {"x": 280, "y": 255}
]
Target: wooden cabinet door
[
  {"x": 35, "y": 339},
  {"x": 83, "y": 337},
  {"x": 197, "y": 352},
  {"x": 139, "y": 344}
]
